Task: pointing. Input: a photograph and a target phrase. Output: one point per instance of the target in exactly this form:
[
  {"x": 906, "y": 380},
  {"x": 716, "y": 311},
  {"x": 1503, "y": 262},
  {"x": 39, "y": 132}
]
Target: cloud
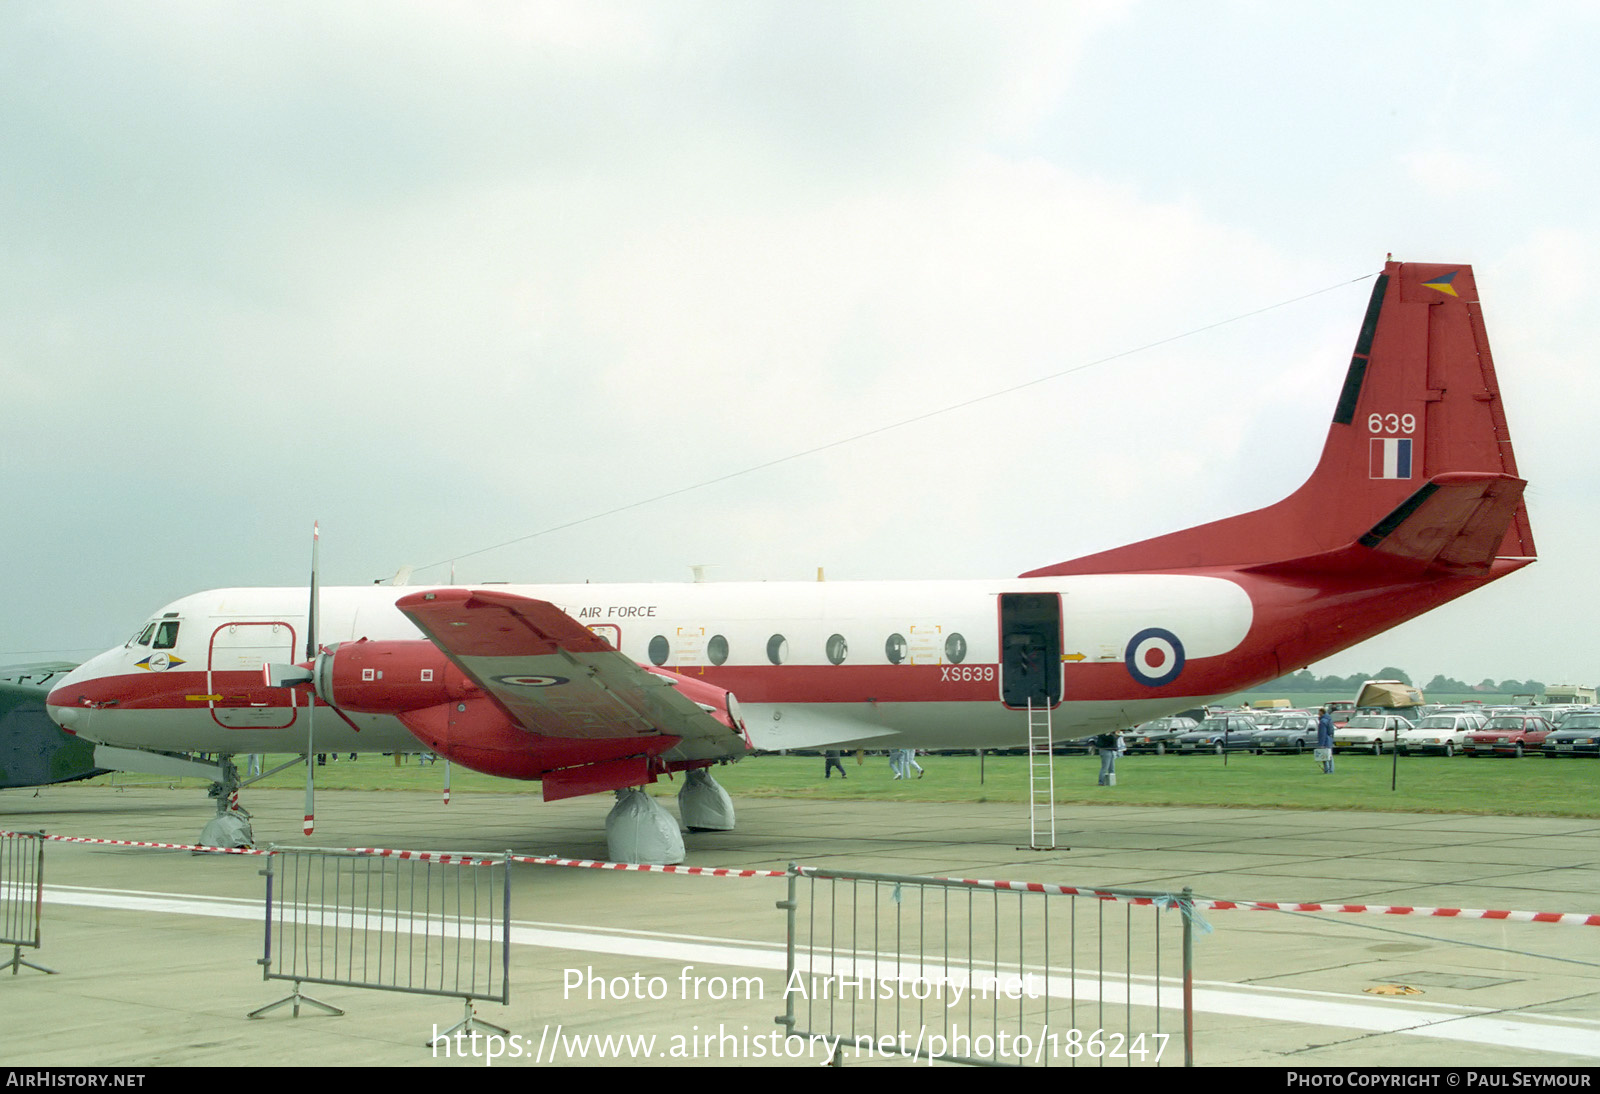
[{"x": 443, "y": 275}]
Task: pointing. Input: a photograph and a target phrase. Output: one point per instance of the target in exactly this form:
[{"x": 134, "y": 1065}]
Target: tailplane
[
  {"x": 1417, "y": 467},
  {"x": 1454, "y": 526}
]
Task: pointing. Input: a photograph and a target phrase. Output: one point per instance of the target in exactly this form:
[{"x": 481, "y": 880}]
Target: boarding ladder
[{"x": 1041, "y": 779}]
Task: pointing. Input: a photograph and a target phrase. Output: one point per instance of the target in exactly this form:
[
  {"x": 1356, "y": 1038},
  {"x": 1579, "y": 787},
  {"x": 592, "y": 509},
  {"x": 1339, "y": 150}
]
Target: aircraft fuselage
[{"x": 931, "y": 664}]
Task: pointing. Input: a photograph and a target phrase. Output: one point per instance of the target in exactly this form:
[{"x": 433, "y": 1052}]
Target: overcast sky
[{"x": 445, "y": 275}]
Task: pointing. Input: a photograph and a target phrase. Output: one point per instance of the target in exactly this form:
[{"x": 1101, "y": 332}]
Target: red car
[{"x": 1507, "y": 735}]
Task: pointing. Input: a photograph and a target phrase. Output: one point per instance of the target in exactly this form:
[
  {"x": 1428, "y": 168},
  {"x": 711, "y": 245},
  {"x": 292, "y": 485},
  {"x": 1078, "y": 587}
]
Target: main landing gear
[
  {"x": 231, "y": 826},
  {"x": 639, "y": 830}
]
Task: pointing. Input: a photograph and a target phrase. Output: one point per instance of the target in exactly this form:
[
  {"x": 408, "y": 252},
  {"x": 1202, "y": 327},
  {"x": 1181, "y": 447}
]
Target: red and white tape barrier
[
  {"x": 478, "y": 858},
  {"x": 584, "y": 863},
  {"x": 1571, "y": 918},
  {"x": 199, "y": 847}
]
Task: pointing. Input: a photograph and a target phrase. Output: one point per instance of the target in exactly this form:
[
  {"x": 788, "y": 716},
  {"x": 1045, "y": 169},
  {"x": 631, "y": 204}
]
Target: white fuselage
[{"x": 902, "y": 664}]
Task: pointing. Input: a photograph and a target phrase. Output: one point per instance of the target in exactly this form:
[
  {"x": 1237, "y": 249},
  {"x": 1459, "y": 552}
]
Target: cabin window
[
  {"x": 838, "y": 649},
  {"x": 660, "y": 650},
  {"x": 717, "y": 650},
  {"x": 895, "y": 649},
  {"x": 955, "y": 648},
  {"x": 777, "y": 649}
]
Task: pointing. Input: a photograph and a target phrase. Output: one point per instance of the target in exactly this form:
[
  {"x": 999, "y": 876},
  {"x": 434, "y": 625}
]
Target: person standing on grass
[
  {"x": 1325, "y": 740},
  {"x": 1109, "y": 745}
]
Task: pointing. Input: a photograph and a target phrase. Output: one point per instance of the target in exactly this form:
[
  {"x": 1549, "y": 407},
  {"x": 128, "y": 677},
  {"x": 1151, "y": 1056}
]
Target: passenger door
[{"x": 1030, "y": 649}]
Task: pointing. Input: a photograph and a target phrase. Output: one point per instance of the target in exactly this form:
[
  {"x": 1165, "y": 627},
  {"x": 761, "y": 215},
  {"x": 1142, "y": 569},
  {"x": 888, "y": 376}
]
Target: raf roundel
[
  {"x": 1154, "y": 657},
  {"x": 531, "y": 681}
]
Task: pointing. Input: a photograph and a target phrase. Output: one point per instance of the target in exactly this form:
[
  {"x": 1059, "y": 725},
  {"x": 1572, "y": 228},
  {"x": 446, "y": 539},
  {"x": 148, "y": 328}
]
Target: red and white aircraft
[{"x": 1415, "y": 501}]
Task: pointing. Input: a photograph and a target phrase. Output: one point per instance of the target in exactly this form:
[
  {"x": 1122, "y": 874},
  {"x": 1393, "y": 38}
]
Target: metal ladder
[{"x": 1041, "y": 780}]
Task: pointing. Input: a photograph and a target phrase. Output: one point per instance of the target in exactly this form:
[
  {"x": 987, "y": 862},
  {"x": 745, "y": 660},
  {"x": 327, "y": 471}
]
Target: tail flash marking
[{"x": 1391, "y": 457}]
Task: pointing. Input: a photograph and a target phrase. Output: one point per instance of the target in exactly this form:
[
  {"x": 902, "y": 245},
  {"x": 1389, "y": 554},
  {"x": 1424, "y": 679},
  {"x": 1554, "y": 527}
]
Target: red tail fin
[{"x": 1420, "y": 401}]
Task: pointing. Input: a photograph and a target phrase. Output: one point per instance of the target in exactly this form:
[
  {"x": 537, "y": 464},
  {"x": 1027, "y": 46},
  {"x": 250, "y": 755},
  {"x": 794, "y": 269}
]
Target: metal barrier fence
[
  {"x": 21, "y": 895},
  {"x": 989, "y": 973},
  {"x": 435, "y": 926}
]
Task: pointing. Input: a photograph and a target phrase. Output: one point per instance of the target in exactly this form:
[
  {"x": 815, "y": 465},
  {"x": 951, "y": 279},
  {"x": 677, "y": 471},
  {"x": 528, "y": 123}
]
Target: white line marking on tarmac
[{"x": 1539, "y": 1033}]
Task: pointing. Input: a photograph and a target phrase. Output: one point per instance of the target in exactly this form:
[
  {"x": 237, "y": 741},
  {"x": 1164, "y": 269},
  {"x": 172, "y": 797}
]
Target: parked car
[
  {"x": 1370, "y": 733},
  {"x": 1560, "y": 720},
  {"x": 1508, "y": 735},
  {"x": 1217, "y": 734},
  {"x": 1341, "y": 710},
  {"x": 1578, "y": 735},
  {"x": 1553, "y": 713},
  {"x": 1445, "y": 733},
  {"x": 1156, "y": 735},
  {"x": 1292, "y": 732}
]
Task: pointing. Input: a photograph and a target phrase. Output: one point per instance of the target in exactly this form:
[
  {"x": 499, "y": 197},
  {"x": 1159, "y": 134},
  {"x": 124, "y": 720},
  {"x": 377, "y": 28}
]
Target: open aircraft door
[{"x": 1030, "y": 649}]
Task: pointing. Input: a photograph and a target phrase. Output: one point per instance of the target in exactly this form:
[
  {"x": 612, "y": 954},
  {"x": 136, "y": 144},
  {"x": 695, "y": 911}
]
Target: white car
[
  {"x": 1445, "y": 733},
  {"x": 1369, "y": 732}
]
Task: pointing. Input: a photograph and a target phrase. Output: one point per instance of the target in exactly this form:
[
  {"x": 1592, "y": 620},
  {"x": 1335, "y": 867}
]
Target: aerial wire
[{"x": 914, "y": 419}]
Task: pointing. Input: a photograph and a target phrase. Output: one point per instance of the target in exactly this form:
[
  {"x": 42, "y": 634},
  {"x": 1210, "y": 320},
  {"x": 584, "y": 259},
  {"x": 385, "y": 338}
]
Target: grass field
[{"x": 1532, "y": 786}]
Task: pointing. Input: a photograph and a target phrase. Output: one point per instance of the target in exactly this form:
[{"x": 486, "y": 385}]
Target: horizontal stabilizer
[{"x": 1452, "y": 526}]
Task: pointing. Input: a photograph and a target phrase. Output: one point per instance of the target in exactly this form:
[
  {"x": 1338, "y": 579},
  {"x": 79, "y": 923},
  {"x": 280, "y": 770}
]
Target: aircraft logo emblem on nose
[{"x": 159, "y": 662}]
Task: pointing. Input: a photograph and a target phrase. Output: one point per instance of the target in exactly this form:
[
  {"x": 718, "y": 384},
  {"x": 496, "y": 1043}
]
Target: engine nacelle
[
  {"x": 476, "y": 733},
  {"x": 452, "y": 716},
  {"x": 388, "y": 677}
]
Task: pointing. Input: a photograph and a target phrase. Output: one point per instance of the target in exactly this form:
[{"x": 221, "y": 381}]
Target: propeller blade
[
  {"x": 311, "y": 703},
  {"x": 285, "y": 676},
  {"x": 311, "y": 767},
  {"x": 311, "y": 611}
]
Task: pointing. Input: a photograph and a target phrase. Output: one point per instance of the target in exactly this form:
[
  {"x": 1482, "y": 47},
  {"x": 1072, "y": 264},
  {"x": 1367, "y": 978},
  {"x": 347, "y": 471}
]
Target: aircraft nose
[
  {"x": 73, "y": 719},
  {"x": 65, "y": 703}
]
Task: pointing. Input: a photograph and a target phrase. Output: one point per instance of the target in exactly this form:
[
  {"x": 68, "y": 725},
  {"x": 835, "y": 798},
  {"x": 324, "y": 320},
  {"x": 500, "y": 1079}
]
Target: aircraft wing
[
  {"x": 554, "y": 677},
  {"x": 34, "y": 751}
]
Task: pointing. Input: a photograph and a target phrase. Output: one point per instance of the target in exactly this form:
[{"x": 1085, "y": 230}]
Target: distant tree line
[{"x": 1306, "y": 681}]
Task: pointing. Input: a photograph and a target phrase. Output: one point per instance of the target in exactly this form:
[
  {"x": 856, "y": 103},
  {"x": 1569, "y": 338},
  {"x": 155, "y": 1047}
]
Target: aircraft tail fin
[{"x": 1420, "y": 408}]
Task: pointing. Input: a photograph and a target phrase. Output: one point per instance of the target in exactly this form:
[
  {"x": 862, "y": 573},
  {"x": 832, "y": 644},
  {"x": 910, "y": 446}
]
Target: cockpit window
[
  {"x": 145, "y": 635},
  {"x": 166, "y": 634}
]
